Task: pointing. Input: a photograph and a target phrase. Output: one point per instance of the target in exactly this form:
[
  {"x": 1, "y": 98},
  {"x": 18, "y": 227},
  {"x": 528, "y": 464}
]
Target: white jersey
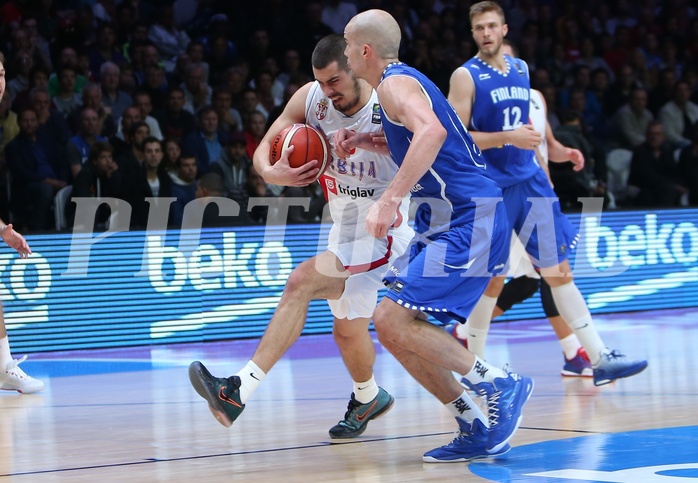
[
  {"x": 352, "y": 185},
  {"x": 519, "y": 261},
  {"x": 539, "y": 118}
]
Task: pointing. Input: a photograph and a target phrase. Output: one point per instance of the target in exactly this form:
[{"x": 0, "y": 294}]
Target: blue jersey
[
  {"x": 501, "y": 102},
  {"x": 457, "y": 176}
]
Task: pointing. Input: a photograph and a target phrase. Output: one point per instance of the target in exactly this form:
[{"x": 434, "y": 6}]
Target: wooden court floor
[{"x": 130, "y": 415}]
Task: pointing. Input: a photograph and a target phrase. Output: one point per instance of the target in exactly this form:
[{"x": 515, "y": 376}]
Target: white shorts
[
  {"x": 367, "y": 259},
  {"x": 519, "y": 261}
]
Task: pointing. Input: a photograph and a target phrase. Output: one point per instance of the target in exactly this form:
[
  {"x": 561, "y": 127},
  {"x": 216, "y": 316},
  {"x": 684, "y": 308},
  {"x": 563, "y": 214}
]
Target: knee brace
[
  {"x": 546, "y": 297},
  {"x": 516, "y": 291}
]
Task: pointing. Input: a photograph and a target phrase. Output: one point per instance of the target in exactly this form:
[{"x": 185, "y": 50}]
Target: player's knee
[
  {"x": 494, "y": 287},
  {"x": 383, "y": 322},
  {"x": 516, "y": 291}
]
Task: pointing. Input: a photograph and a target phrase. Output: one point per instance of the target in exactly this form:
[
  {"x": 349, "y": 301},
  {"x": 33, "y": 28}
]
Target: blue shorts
[
  {"x": 534, "y": 213},
  {"x": 445, "y": 275}
]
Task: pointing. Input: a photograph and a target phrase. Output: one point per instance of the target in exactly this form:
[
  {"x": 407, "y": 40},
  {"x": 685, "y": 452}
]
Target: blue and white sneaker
[
  {"x": 578, "y": 366},
  {"x": 505, "y": 400},
  {"x": 615, "y": 365},
  {"x": 469, "y": 444}
]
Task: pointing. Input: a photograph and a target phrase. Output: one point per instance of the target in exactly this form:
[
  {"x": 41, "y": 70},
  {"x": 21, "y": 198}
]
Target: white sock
[
  {"x": 250, "y": 376},
  {"x": 464, "y": 408},
  {"x": 365, "y": 392},
  {"x": 570, "y": 346},
  {"x": 5, "y": 354},
  {"x": 572, "y": 307},
  {"x": 478, "y": 325},
  {"x": 483, "y": 372}
]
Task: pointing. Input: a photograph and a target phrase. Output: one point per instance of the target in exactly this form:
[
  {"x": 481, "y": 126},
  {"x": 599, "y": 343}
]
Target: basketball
[{"x": 309, "y": 144}]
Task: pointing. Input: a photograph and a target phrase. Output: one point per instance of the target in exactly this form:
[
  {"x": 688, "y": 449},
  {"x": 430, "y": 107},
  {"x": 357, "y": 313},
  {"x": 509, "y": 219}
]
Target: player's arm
[
  {"x": 558, "y": 153},
  {"x": 281, "y": 173},
  {"x": 461, "y": 95},
  {"x": 404, "y": 101}
]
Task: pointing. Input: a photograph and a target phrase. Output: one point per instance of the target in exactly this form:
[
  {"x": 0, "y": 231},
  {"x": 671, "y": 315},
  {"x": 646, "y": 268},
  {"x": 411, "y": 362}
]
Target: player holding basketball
[
  {"x": 12, "y": 377},
  {"x": 460, "y": 242},
  {"x": 349, "y": 274},
  {"x": 525, "y": 280},
  {"x": 491, "y": 93}
]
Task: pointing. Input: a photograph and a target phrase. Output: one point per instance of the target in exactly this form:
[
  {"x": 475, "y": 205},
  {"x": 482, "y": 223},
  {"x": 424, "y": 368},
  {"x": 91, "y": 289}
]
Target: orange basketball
[{"x": 309, "y": 144}]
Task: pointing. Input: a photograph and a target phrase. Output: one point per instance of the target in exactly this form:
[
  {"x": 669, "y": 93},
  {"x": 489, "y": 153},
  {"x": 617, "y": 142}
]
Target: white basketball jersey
[
  {"x": 351, "y": 185},
  {"x": 539, "y": 119}
]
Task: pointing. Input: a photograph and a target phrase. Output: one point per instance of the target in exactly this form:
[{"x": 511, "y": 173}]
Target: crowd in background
[{"x": 133, "y": 99}]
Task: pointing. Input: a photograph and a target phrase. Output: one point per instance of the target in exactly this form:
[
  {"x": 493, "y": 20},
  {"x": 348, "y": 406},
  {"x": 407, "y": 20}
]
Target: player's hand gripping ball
[{"x": 309, "y": 144}]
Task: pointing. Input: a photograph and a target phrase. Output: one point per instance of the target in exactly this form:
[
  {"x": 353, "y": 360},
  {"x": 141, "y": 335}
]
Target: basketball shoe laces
[
  {"x": 351, "y": 407},
  {"x": 493, "y": 407},
  {"x": 14, "y": 369}
]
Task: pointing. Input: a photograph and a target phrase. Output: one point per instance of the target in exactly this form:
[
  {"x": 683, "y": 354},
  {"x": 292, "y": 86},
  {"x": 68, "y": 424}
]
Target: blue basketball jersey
[
  {"x": 501, "y": 102},
  {"x": 458, "y": 175}
]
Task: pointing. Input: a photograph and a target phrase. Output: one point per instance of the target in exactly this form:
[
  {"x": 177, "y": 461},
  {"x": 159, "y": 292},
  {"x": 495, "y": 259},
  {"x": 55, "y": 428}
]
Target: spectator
[
  {"x": 68, "y": 56},
  {"x": 36, "y": 177},
  {"x": 620, "y": 90},
  {"x": 99, "y": 177},
  {"x": 205, "y": 142},
  {"x": 211, "y": 185},
  {"x": 150, "y": 182},
  {"x": 678, "y": 116},
  {"x": 141, "y": 100},
  {"x": 688, "y": 167},
  {"x": 229, "y": 117},
  {"x": 175, "y": 122},
  {"x": 292, "y": 72},
  {"x": 52, "y": 126},
  {"x": 104, "y": 50},
  {"x": 253, "y": 187},
  {"x": 336, "y": 14},
  {"x": 171, "y": 154},
  {"x": 183, "y": 186},
  {"x": 631, "y": 121},
  {"x": 112, "y": 96},
  {"x": 263, "y": 85},
  {"x": 67, "y": 100},
  {"x": 120, "y": 140},
  {"x": 589, "y": 58},
  {"x": 92, "y": 98},
  {"x": 169, "y": 40},
  {"x": 196, "y": 92},
  {"x": 600, "y": 89},
  {"x": 662, "y": 93},
  {"x": 234, "y": 78},
  {"x": 130, "y": 161},
  {"x": 38, "y": 77},
  {"x": 654, "y": 171},
  {"x": 155, "y": 84},
  {"x": 232, "y": 165},
  {"x": 289, "y": 90},
  {"x": 78, "y": 147},
  {"x": 127, "y": 79},
  {"x": 195, "y": 51},
  {"x": 569, "y": 184},
  {"x": 310, "y": 30},
  {"x": 250, "y": 105},
  {"x": 219, "y": 57},
  {"x": 31, "y": 25},
  {"x": 254, "y": 131},
  {"x": 20, "y": 82}
]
